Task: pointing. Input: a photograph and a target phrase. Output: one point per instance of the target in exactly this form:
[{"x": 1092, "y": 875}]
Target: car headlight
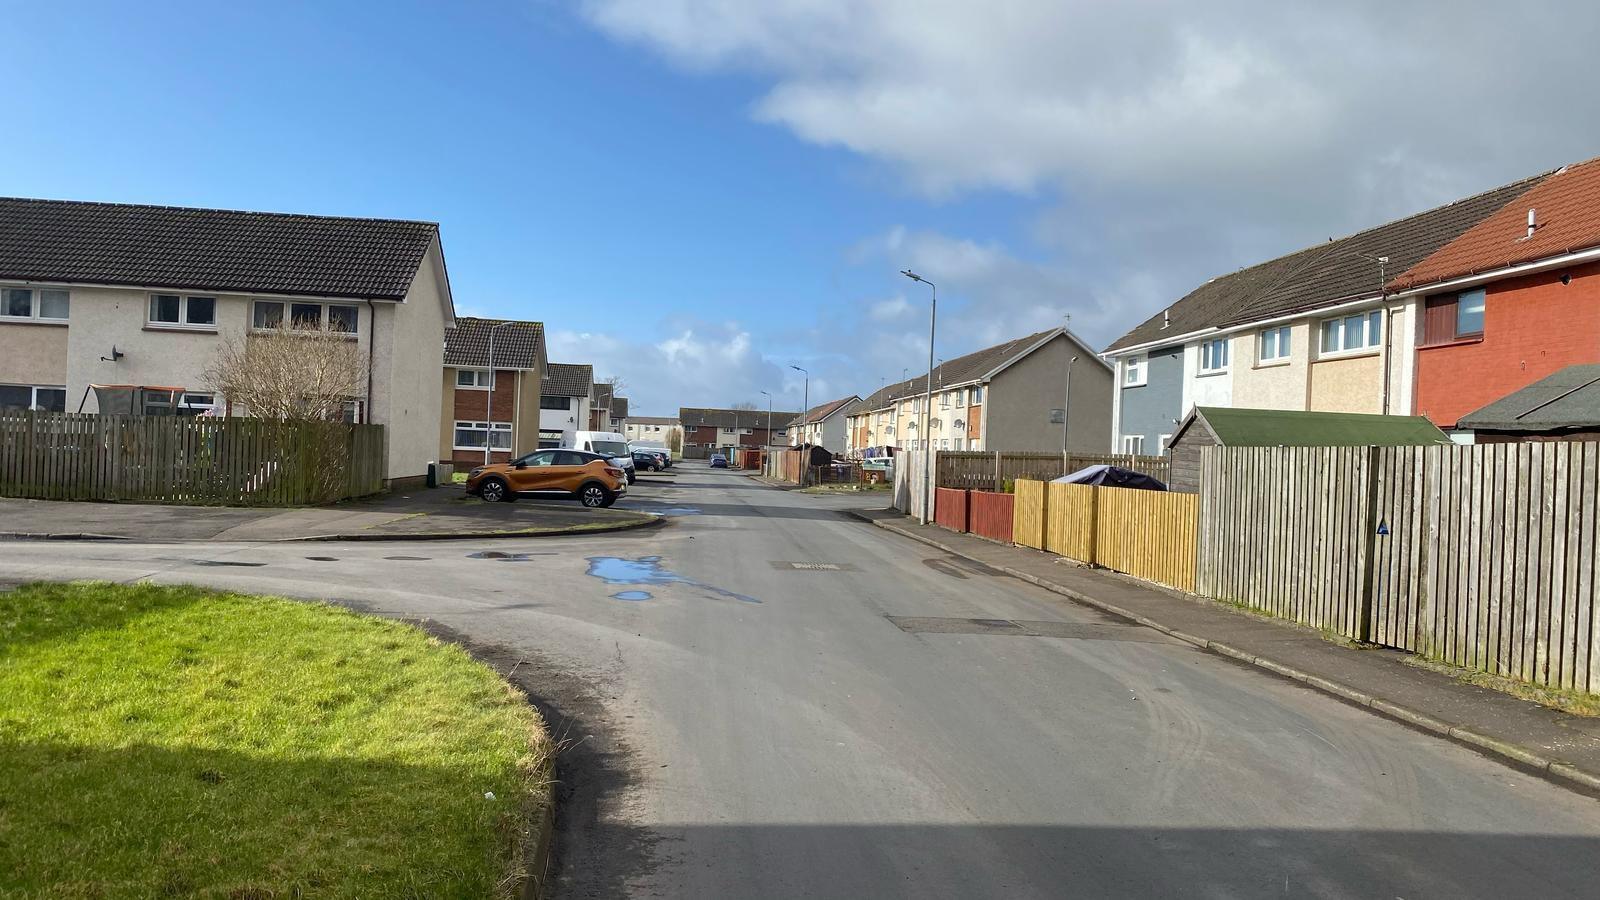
[{"x": 475, "y": 473}]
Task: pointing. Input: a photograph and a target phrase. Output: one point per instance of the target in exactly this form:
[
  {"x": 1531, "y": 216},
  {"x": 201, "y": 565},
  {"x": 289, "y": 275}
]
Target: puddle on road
[
  {"x": 632, "y": 595},
  {"x": 675, "y": 511},
  {"x": 648, "y": 570}
]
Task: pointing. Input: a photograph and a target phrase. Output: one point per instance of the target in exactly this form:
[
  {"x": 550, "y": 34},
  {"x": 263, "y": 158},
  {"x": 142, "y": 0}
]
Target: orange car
[{"x": 590, "y": 477}]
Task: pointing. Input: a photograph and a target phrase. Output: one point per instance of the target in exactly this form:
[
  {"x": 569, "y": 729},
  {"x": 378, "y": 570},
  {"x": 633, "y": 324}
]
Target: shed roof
[
  {"x": 139, "y": 245},
  {"x": 1298, "y": 428},
  {"x": 1569, "y": 398}
]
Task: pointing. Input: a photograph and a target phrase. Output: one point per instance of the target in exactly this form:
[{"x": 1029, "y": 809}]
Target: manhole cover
[
  {"x": 788, "y": 566},
  {"x": 1083, "y": 631}
]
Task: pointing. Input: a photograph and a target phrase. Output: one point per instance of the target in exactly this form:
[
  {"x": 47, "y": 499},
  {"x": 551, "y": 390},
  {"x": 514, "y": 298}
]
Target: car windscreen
[{"x": 610, "y": 448}]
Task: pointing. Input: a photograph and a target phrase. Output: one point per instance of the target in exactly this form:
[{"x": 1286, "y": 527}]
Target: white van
[{"x": 609, "y": 443}]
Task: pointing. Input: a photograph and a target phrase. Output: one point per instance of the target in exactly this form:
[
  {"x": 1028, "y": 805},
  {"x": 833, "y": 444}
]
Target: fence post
[
  {"x": 997, "y": 485},
  {"x": 1370, "y": 541}
]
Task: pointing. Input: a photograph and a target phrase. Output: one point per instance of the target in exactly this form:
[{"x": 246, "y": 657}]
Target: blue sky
[{"x": 695, "y": 194}]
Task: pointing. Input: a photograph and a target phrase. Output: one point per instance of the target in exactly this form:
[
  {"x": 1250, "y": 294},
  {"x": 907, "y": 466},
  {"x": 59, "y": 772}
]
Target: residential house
[
  {"x": 492, "y": 406},
  {"x": 1221, "y": 426},
  {"x": 1511, "y": 301},
  {"x": 1313, "y": 330},
  {"x": 711, "y": 429},
  {"x": 608, "y": 410},
  {"x": 663, "y": 430},
  {"x": 619, "y": 413},
  {"x": 564, "y": 403},
  {"x": 110, "y": 293},
  {"x": 1006, "y": 397},
  {"x": 824, "y": 425}
]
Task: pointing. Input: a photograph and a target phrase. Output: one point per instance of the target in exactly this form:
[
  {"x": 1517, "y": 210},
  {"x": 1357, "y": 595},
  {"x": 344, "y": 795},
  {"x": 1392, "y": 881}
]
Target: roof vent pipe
[
  {"x": 1166, "y": 318},
  {"x": 1533, "y": 221}
]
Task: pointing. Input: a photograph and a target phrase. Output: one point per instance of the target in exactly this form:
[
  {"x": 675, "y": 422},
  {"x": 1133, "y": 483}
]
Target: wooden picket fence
[
  {"x": 175, "y": 459},
  {"x": 981, "y": 470}
]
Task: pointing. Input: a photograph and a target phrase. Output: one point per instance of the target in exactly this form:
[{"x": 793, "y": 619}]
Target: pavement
[
  {"x": 438, "y": 513},
  {"x": 771, "y": 698}
]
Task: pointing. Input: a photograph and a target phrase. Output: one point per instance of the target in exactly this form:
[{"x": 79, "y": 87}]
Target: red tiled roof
[{"x": 1568, "y": 220}]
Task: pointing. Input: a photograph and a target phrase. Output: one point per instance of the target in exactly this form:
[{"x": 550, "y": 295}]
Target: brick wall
[
  {"x": 475, "y": 406},
  {"x": 1533, "y": 326}
]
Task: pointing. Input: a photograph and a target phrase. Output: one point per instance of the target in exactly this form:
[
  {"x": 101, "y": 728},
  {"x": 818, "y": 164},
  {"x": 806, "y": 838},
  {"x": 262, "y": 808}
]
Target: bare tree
[
  {"x": 307, "y": 374},
  {"x": 617, "y": 384},
  {"x": 675, "y": 441}
]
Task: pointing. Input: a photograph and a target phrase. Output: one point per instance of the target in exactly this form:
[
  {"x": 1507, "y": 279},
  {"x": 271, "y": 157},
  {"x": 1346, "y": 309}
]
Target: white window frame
[
  {"x": 285, "y": 306},
  {"x": 977, "y": 394},
  {"x": 1133, "y": 444},
  {"x": 1206, "y": 368},
  {"x": 1161, "y": 444},
  {"x": 183, "y": 323},
  {"x": 35, "y": 303},
  {"x": 480, "y": 379},
  {"x": 1282, "y": 345},
  {"x": 1371, "y": 320},
  {"x": 33, "y": 393},
  {"x": 1136, "y": 371},
  {"x": 487, "y": 429}
]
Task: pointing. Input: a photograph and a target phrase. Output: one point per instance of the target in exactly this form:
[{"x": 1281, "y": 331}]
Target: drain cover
[{"x": 1083, "y": 631}]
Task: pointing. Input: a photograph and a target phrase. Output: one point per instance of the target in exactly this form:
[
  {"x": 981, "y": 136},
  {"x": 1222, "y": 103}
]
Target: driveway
[{"x": 767, "y": 699}]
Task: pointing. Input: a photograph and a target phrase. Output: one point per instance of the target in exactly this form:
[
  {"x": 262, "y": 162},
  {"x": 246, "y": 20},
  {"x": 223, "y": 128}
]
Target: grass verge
[
  {"x": 169, "y": 741},
  {"x": 1578, "y": 703}
]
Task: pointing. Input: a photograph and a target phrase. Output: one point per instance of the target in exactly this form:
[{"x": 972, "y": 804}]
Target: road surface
[{"x": 768, "y": 699}]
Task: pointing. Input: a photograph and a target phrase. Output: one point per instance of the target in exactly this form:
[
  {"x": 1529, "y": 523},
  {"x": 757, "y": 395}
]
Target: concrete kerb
[
  {"x": 1559, "y": 772},
  {"x": 654, "y": 521},
  {"x": 58, "y": 536}
]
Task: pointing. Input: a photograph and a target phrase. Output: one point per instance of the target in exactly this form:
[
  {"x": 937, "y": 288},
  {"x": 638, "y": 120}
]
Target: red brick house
[
  {"x": 491, "y": 412},
  {"x": 1514, "y": 299},
  {"x": 705, "y": 429}
]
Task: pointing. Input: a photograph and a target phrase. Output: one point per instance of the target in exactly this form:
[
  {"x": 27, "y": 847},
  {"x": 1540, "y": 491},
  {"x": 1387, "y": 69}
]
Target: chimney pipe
[{"x": 1533, "y": 220}]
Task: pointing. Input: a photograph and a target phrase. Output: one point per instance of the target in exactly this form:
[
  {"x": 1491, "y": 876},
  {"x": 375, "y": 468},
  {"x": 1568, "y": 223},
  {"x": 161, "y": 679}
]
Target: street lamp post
[
  {"x": 927, "y": 401},
  {"x": 488, "y": 406},
  {"x": 805, "y": 410},
  {"x": 769, "y": 418}
]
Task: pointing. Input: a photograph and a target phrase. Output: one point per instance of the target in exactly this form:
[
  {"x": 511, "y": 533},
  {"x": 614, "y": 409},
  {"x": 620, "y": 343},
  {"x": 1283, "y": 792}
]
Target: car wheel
[
  {"x": 632, "y": 476},
  {"x": 496, "y": 491},
  {"x": 595, "y": 496}
]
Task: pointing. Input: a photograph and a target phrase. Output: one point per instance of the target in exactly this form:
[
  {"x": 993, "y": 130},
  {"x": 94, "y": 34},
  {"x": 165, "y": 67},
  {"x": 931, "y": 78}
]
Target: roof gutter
[
  {"x": 1315, "y": 312},
  {"x": 1554, "y": 262}
]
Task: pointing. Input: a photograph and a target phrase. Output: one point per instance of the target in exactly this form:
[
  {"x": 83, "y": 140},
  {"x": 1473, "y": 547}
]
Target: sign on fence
[{"x": 175, "y": 459}]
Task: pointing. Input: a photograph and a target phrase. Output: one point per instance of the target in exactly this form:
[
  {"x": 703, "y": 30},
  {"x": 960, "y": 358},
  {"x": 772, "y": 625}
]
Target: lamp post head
[{"x": 913, "y": 276}]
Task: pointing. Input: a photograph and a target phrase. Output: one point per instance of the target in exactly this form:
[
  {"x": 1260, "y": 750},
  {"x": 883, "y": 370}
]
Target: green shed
[{"x": 1221, "y": 426}]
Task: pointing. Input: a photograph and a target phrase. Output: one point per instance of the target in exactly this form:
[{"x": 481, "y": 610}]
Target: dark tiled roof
[
  {"x": 652, "y": 420},
  {"x": 1568, "y": 220},
  {"x": 601, "y": 395},
  {"x": 960, "y": 370},
  {"x": 515, "y": 346},
  {"x": 1569, "y": 398},
  {"x": 823, "y": 411},
  {"x": 210, "y": 249},
  {"x": 619, "y": 407},
  {"x": 568, "y": 379},
  {"x": 1324, "y": 274},
  {"x": 694, "y": 417}
]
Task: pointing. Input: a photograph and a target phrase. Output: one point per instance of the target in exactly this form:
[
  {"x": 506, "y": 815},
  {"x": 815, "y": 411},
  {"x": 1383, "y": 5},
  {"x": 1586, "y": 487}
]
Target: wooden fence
[
  {"x": 1481, "y": 556},
  {"x": 1027, "y": 523},
  {"x": 990, "y": 514},
  {"x": 1148, "y": 534},
  {"x": 950, "y": 509},
  {"x": 994, "y": 470},
  {"x": 201, "y": 461},
  {"x": 1070, "y": 525}
]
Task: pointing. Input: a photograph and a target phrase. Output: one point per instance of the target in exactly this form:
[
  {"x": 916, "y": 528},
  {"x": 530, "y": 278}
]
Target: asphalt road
[{"x": 758, "y": 729}]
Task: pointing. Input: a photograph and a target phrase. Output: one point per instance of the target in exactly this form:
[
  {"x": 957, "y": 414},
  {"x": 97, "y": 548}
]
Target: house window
[
  {"x": 730, "y": 431},
  {"x": 306, "y": 316},
  {"x": 1133, "y": 443},
  {"x": 1133, "y": 371},
  {"x": 1353, "y": 333},
  {"x": 1162, "y": 444},
  {"x": 39, "y": 305},
  {"x": 181, "y": 311},
  {"x": 24, "y": 397},
  {"x": 1469, "y": 312},
  {"x": 473, "y": 379},
  {"x": 473, "y": 435},
  {"x": 1274, "y": 345},
  {"x": 977, "y": 395},
  {"x": 548, "y": 402},
  {"x": 1452, "y": 317},
  {"x": 1214, "y": 356},
  {"x": 961, "y": 398}
]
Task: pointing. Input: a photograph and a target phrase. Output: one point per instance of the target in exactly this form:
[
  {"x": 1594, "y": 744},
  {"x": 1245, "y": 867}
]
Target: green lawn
[{"x": 161, "y": 742}]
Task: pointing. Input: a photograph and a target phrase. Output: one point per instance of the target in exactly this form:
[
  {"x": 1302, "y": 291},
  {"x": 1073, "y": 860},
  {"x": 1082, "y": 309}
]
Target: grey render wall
[
  {"x": 1021, "y": 397},
  {"x": 1150, "y": 410}
]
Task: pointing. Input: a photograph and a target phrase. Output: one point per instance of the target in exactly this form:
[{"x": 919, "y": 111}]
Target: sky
[{"x": 696, "y": 195}]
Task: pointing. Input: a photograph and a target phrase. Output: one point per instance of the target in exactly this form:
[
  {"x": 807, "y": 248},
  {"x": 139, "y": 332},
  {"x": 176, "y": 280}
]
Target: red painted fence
[
  {"x": 950, "y": 508},
  {"x": 989, "y": 514}
]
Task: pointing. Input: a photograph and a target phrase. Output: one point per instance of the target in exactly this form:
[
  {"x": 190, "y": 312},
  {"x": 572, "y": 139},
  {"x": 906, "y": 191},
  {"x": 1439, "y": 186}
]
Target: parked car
[
  {"x": 649, "y": 460},
  {"x": 606, "y": 443},
  {"x": 718, "y": 461},
  {"x": 653, "y": 447},
  {"x": 595, "y": 480},
  {"x": 877, "y": 469}
]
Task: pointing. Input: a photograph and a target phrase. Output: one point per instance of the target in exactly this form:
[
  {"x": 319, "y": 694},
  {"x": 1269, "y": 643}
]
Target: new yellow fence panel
[
  {"x": 1027, "y": 522},
  {"x": 1148, "y": 534},
  {"x": 1070, "y": 516}
]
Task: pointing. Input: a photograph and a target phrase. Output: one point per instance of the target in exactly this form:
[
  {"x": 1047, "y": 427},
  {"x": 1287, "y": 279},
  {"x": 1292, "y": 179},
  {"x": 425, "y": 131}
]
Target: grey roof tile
[{"x": 515, "y": 346}]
